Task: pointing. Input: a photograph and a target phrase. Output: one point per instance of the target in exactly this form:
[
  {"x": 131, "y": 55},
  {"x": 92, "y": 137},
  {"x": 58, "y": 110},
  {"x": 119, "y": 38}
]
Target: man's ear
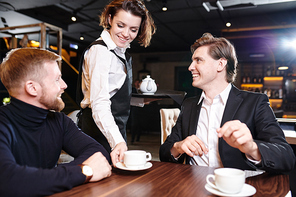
[
  {"x": 31, "y": 87},
  {"x": 222, "y": 64}
]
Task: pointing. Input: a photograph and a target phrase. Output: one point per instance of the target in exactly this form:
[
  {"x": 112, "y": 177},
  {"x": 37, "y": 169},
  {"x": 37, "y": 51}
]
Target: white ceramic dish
[
  {"x": 248, "y": 190},
  {"x": 121, "y": 166}
]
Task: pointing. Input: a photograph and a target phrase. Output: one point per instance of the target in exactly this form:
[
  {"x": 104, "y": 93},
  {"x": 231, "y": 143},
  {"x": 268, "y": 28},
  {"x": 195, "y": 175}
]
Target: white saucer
[
  {"x": 121, "y": 166},
  {"x": 148, "y": 93},
  {"x": 248, "y": 190}
]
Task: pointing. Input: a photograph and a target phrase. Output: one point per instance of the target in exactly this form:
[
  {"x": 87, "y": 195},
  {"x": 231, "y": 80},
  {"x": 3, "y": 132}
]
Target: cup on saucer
[
  {"x": 227, "y": 180},
  {"x": 136, "y": 158}
]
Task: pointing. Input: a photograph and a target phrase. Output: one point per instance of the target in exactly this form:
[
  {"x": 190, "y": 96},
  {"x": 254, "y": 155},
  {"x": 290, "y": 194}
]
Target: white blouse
[{"x": 103, "y": 75}]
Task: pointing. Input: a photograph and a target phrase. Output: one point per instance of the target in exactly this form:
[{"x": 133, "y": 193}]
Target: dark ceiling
[{"x": 257, "y": 25}]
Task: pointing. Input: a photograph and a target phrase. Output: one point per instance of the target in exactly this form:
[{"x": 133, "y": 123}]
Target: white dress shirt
[{"x": 209, "y": 121}]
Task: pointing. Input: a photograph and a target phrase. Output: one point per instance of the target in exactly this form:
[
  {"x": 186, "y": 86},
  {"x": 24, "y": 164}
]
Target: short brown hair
[
  {"x": 24, "y": 64},
  {"x": 219, "y": 48},
  {"x": 137, "y": 8}
]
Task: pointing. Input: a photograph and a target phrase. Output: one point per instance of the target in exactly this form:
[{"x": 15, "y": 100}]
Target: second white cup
[
  {"x": 227, "y": 180},
  {"x": 136, "y": 158}
]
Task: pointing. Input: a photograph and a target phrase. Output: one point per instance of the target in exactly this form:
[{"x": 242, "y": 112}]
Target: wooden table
[{"x": 169, "y": 179}]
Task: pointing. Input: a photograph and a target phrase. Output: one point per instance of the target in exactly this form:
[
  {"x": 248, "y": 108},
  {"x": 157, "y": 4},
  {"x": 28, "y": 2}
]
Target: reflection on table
[{"x": 169, "y": 179}]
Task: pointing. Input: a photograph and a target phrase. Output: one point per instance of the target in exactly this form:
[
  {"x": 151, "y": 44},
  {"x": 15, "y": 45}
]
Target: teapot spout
[{"x": 149, "y": 86}]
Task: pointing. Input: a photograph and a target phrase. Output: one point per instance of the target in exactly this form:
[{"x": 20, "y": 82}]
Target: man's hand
[
  {"x": 118, "y": 152},
  {"x": 238, "y": 135},
  {"x": 191, "y": 145},
  {"x": 100, "y": 166}
]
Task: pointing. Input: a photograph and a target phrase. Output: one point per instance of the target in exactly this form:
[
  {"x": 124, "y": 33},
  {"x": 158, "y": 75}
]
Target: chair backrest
[{"x": 168, "y": 118}]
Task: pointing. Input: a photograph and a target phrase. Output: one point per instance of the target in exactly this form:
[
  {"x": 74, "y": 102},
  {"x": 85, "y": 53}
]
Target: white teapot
[{"x": 148, "y": 86}]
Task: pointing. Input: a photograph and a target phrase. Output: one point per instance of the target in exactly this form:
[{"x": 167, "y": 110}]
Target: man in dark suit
[{"x": 225, "y": 127}]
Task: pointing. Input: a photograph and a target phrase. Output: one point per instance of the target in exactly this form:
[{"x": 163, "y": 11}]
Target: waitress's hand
[{"x": 117, "y": 153}]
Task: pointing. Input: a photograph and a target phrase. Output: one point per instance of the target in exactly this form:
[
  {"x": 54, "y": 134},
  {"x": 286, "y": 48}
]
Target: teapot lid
[{"x": 148, "y": 78}]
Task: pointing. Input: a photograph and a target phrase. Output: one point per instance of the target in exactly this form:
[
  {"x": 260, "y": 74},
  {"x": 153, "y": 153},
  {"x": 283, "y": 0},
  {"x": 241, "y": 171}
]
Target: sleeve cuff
[
  {"x": 116, "y": 140},
  {"x": 255, "y": 162}
]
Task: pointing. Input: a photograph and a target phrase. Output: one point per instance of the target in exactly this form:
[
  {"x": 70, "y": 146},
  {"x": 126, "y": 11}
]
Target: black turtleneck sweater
[{"x": 31, "y": 140}]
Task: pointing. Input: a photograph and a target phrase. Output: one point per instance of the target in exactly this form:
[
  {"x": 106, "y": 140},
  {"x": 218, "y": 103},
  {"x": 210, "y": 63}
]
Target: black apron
[{"x": 120, "y": 103}]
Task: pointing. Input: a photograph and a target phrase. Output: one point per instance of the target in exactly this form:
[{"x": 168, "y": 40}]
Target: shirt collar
[
  {"x": 223, "y": 95},
  {"x": 105, "y": 35},
  {"x": 203, "y": 96}
]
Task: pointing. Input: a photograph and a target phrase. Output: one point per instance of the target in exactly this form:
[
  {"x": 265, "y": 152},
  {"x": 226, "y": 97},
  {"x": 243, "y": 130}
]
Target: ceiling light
[
  {"x": 228, "y": 24},
  {"x": 73, "y": 18},
  {"x": 283, "y": 68},
  {"x": 206, "y": 7},
  {"x": 288, "y": 43},
  {"x": 164, "y": 7},
  {"x": 81, "y": 37},
  {"x": 73, "y": 46},
  {"x": 219, "y": 5}
]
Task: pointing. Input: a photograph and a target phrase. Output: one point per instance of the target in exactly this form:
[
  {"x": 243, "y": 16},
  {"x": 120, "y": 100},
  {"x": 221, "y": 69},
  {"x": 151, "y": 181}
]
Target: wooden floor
[{"x": 149, "y": 142}]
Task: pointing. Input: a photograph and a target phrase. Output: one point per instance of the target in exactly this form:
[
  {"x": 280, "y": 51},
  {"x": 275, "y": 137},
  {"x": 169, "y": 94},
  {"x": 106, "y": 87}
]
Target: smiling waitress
[{"x": 106, "y": 74}]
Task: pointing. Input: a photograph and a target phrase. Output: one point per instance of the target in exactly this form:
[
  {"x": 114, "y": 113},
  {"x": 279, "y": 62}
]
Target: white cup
[
  {"x": 136, "y": 158},
  {"x": 227, "y": 180}
]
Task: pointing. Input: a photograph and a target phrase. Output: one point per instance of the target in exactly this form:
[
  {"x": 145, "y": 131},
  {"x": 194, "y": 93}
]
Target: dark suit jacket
[{"x": 250, "y": 108}]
